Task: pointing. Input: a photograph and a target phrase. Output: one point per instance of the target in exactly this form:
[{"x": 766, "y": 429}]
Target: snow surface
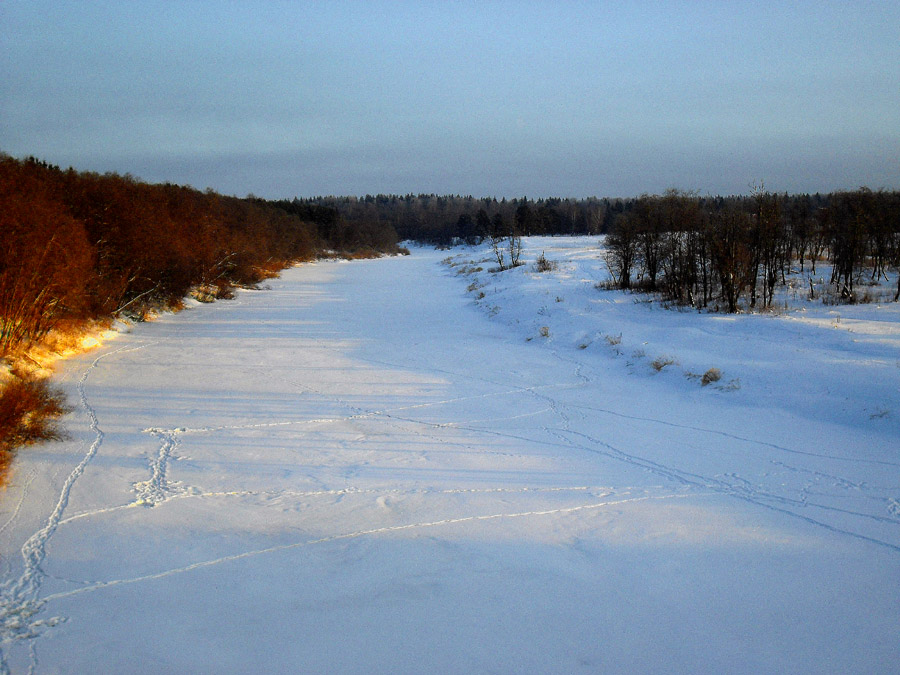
[{"x": 369, "y": 468}]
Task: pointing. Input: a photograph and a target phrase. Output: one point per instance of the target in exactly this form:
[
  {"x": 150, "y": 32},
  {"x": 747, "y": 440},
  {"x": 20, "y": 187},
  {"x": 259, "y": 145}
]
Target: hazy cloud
[{"x": 504, "y": 99}]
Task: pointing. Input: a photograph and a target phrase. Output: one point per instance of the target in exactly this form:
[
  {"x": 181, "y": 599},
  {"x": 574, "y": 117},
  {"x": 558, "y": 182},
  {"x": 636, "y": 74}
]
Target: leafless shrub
[
  {"x": 544, "y": 265},
  {"x": 29, "y": 409}
]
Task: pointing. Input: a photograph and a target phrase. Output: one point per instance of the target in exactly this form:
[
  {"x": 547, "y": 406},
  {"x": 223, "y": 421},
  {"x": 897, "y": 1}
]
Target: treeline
[
  {"x": 692, "y": 249},
  {"x": 697, "y": 251},
  {"x": 340, "y": 231},
  {"x": 78, "y": 246},
  {"x": 445, "y": 219}
]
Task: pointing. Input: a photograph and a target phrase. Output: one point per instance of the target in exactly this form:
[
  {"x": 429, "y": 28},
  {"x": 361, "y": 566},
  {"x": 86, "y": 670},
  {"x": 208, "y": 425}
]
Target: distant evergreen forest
[{"x": 444, "y": 219}]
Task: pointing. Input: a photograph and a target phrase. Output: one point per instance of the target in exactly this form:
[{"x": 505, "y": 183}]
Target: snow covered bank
[
  {"x": 826, "y": 362},
  {"x": 368, "y": 469}
]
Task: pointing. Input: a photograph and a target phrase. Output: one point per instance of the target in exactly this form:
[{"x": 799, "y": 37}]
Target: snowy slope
[{"x": 369, "y": 468}]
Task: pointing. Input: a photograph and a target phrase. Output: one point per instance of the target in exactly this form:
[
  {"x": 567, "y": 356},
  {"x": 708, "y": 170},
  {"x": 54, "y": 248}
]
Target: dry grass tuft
[
  {"x": 710, "y": 376},
  {"x": 661, "y": 362}
]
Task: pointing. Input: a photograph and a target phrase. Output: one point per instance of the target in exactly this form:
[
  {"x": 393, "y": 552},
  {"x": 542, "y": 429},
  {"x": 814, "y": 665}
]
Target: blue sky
[{"x": 286, "y": 99}]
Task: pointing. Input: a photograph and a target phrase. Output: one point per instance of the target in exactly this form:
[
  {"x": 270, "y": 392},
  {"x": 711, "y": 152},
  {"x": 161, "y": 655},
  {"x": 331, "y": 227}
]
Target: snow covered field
[{"x": 369, "y": 468}]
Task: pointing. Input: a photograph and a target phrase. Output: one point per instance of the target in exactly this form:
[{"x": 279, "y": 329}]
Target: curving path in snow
[{"x": 359, "y": 470}]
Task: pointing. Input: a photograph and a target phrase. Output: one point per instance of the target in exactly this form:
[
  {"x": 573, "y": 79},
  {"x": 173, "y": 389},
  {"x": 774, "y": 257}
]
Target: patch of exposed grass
[
  {"x": 710, "y": 376},
  {"x": 661, "y": 362}
]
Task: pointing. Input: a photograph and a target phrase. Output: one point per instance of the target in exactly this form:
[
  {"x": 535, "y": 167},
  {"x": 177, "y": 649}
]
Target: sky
[{"x": 503, "y": 99}]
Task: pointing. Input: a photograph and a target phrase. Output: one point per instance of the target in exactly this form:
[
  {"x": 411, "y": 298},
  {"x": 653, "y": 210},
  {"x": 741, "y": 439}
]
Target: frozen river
[{"x": 359, "y": 470}]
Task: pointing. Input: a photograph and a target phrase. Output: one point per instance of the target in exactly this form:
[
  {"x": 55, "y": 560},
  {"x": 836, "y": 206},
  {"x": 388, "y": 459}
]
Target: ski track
[
  {"x": 725, "y": 434},
  {"x": 740, "y": 489},
  {"x": 350, "y": 535},
  {"x": 331, "y": 493},
  {"x": 18, "y": 508},
  {"x": 585, "y": 380}
]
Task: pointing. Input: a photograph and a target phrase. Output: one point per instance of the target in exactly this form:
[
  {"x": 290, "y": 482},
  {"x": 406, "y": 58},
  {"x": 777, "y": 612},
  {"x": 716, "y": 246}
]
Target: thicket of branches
[
  {"x": 29, "y": 409},
  {"x": 698, "y": 251}
]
